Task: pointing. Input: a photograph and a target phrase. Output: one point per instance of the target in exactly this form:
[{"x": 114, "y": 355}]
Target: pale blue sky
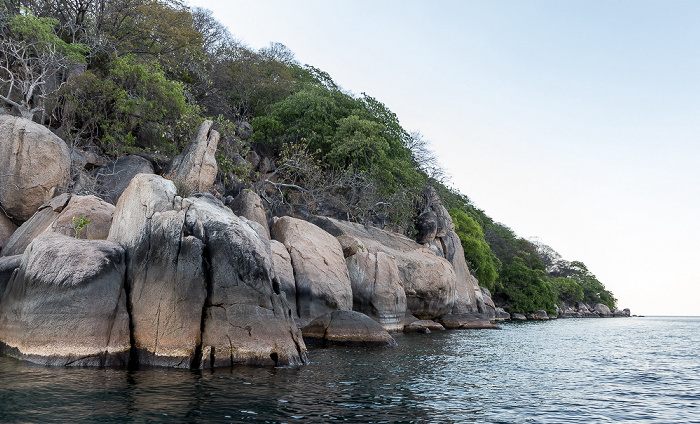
[{"x": 577, "y": 122}]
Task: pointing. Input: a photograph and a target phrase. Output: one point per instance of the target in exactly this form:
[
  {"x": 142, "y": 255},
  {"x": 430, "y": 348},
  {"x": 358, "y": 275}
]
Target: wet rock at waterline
[
  {"x": 466, "y": 322},
  {"x": 377, "y": 289},
  {"x": 423, "y": 326},
  {"x": 66, "y": 304},
  {"x": 200, "y": 282},
  {"x": 346, "y": 328}
]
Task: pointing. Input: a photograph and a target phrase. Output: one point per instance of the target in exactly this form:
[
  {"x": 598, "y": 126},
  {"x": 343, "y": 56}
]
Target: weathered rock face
[
  {"x": 486, "y": 306},
  {"x": 197, "y": 163},
  {"x": 467, "y": 292},
  {"x": 113, "y": 178},
  {"x": 57, "y": 216},
  {"x": 377, "y": 289},
  {"x": 8, "y": 265},
  {"x": 322, "y": 279},
  {"x": 34, "y": 164},
  {"x": 428, "y": 280},
  {"x": 347, "y": 328},
  {"x": 284, "y": 274},
  {"x": 200, "y": 282},
  {"x": 7, "y": 227},
  {"x": 249, "y": 205},
  {"x": 66, "y": 304}
]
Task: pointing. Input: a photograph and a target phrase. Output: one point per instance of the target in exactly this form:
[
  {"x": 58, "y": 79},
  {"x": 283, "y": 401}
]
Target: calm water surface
[{"x": 633, "y": 370}]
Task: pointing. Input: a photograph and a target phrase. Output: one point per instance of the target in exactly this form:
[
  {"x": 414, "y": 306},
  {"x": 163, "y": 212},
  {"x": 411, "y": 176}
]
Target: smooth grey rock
[
  {"x": 502, "y": 315},
  {"x": 197, "y": 162},
  {"x": 602, "y": 310},
  {"x": 376, "y": 288},
  {"x": 466, "y": 321},
  {"x": 518, "y": 317},
  {"x": 423, "y": 326},
  {"x": 66, "y": 304},
  {"x": 468, "y": 298},
  {"x": 284, "y": 274},
  {"x": 200, "y": 282},
  {"x": 249, "y": 205},
  {"x": 429, "y": 281},
  {"x": 113, "y": 178},
  {"x": 347, "y": 328},
  {"x": 34, "y": 165},
  {"x": 322, "y": 279}
]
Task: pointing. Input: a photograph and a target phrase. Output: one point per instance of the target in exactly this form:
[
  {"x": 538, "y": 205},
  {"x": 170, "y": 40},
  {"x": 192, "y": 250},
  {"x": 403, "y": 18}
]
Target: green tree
[
  {"x": 32, "y": 57},
  {"x": 482, "y": 263},
  {"x": 524, "y": 290}
]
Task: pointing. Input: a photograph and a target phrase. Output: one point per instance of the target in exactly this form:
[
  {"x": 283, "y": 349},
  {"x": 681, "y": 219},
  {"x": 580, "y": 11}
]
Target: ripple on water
[{"x": 575, "y": 371}]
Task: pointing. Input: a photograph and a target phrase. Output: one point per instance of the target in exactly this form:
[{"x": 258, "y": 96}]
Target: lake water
[{"x": 624, "y": 370}]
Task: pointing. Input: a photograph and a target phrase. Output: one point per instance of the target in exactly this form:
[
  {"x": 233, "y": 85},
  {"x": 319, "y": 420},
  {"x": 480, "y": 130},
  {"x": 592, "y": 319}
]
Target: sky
[{"x": 575, "y": 122}]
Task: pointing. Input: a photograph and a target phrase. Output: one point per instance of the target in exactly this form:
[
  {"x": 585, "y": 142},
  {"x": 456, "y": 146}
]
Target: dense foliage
[{"x": 139, "y": 75}]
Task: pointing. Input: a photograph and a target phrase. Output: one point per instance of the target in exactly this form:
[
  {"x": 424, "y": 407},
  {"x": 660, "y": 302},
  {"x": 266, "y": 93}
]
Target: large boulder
[
  {"x": 85, "y": 217},
  {"x": 322, "y": 279},
  {"x": 467, "y": 293},
  {"x": 428, "y": 280},
  {"x": 197, "y": 162},
  {"x": 113, "y": 178},
  {"x": 66, "y": 304},
  {"x": 377, "y": 290},
  {"x": 200, "y": 280},
  {"x": 423, "y": 326},
  {"x": 602, "y": 310},
  {"x": 7, "y": 227},
  {"x": 34, "y": 164},
  {"x": 346, "y": 328},
  {"x": 466, "y": 322},
  {"x": 249, "y": 205}
]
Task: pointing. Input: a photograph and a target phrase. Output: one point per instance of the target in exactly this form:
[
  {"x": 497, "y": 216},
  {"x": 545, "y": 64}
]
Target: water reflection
[{"x": 566, "y": 371}]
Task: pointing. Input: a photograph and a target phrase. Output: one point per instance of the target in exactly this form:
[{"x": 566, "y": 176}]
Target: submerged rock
[
  {"x": 466, "y": 322},
  {"x": 66, "y": 304},
  {"x": 347, "y": 328}
]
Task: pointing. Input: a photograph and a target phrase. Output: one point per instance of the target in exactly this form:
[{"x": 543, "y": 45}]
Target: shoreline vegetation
[{"x": 171, "y": 197}]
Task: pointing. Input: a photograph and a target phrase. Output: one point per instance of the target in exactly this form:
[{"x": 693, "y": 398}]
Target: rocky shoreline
[{"x": 150, "y": 275}]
